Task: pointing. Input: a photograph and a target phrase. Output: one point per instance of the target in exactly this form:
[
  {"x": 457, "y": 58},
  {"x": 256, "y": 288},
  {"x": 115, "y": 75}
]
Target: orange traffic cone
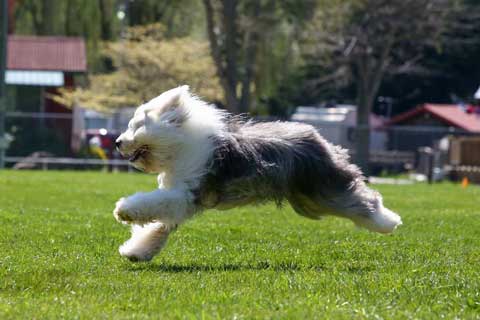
[{"x": 465, "y": 182}]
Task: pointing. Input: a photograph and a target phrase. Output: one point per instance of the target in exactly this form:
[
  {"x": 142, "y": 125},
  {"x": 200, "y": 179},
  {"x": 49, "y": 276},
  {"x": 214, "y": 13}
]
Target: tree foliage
[
  {"x": 272, "y": 55},
  {"x": 93, "y": 20},
  {"x": 370, "y": 39},
  {"x": 449, "y": 73},
  {"x": 241, "y": 34},
  {"x": 146, "y": 63},
  {"x": 97, "y": 21},
  {"x": 181, "y": 18}
]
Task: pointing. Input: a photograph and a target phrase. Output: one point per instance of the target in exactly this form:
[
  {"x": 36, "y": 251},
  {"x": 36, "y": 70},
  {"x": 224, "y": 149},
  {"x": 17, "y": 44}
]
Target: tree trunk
[
  {"x": 224, "y": 70},
  {"x": 233, "y": 104},
  {"x": 106, "y": 15},
  {"x": 227, "y": 49},
  {"x": 251, "y": 48},
  {"x": 229, "y": 21},
  {"x": 48, "y": 16},
  {"x": 362, "y": 138},
  {"x": 362, "y": 131},
  {"x": 369, "y": 75}
]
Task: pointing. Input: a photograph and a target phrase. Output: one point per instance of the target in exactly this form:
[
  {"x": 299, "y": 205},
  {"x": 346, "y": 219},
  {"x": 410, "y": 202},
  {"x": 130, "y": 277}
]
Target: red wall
[{"x": 61, "y": 126}]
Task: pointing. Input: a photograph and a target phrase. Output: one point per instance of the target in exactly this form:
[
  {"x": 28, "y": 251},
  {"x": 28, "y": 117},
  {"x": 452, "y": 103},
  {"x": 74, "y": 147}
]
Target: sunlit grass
[{"x": 59, "y": 257}]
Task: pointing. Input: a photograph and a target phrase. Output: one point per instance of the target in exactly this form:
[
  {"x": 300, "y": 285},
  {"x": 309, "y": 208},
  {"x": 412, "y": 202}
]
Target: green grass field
[{"x": 59, "y": 257}]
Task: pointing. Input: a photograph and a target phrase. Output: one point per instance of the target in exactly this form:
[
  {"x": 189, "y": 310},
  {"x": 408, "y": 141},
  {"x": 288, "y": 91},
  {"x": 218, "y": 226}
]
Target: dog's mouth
[{"x": 138, "y": 153}]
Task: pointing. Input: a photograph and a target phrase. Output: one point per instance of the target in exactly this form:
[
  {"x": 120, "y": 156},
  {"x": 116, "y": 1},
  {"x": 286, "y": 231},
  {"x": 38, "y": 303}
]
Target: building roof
[
  {"x": 452, "y": 115},
  {"x": 46, "y": 53}
]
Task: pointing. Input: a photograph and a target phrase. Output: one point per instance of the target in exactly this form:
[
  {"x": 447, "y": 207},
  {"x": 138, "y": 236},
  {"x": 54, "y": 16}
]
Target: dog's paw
[
  {"x": 133, "y": 256},
  {"x": 124, "y": 212}
]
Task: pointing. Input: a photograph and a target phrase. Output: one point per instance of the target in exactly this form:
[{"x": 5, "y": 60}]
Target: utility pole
[{"x": 3, "y": 67}]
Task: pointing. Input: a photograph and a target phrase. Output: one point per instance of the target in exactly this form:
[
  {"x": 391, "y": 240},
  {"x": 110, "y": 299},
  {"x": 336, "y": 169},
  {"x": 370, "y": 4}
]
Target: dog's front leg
[
  {"x": 170, "y": 207},
  {"x": 146, "y": 241}
]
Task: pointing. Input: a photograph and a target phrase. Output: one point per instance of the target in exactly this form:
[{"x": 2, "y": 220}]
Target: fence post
[
  {"x": 3, "y": 67},
  {"x": 431, "y": 166}
]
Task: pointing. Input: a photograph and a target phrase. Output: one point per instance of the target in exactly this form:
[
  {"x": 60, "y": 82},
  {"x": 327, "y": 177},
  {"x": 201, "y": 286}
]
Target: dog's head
[{"x": 155, "y": 131}]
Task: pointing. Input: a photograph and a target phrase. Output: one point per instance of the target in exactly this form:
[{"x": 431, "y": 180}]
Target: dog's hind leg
[
  {"x": 146, "y": 241},
  {"x": 360, "y": 204},
  {"x": 307, "y": 207}
]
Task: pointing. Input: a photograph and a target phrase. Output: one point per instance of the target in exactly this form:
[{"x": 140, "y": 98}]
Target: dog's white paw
[
  {"x": 134, "y": 255},
  {"x": 386, "y": 221},
  {"x": 145, "y": 242},
  {"x": 124, "y": 211},
  {"x": 382, "y": 221}
]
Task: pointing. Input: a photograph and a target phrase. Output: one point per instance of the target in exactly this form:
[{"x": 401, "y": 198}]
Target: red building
[
  {"x": 428, "y": 123},
  {"x": 464, "y": 118},
  {"x": 36, "y": 68}
]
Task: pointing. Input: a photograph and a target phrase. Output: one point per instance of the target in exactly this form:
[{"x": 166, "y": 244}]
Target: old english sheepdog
[{"x": 206, "y": 158}]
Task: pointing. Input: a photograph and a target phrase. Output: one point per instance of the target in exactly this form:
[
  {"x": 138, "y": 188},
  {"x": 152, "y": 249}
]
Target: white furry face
[{"x": 155, "y": 132}]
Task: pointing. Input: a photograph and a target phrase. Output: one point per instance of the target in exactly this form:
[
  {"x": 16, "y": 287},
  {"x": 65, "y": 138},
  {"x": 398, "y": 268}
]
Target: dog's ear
[
  {"x": 175, "y": 116},
  {"x": 170, "y": 106},
  {"x": 173, "y": 97}
]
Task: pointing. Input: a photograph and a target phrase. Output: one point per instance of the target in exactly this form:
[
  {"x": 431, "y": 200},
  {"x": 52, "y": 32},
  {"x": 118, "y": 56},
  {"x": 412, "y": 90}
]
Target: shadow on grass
[
  {"x": 194, "y": 267},
  {"x": 263, "y": 265}
]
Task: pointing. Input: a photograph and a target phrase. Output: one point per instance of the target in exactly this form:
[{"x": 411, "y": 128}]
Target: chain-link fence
[
  {"x": 49, "y": 135},
  {"x": 47, "y": 141},
  {"x": 34, "y": 132}
]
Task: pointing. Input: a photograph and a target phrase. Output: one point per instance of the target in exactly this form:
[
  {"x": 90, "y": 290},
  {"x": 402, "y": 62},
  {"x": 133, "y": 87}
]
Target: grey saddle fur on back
[{"x": 258, "y": 162}]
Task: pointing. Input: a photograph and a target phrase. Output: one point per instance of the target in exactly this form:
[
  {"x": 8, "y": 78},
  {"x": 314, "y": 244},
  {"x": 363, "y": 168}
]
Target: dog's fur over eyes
[{"x": 206, "y": 158}]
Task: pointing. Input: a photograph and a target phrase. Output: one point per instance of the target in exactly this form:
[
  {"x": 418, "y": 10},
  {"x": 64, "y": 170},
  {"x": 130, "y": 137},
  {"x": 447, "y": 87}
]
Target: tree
[
  {"x": 227, "y": 48},
  {"x": 97, "y": 21},
  {"x": 40, "y": 16},
  {"x": 236, "y": 31},
  {"x": 107, "y": 21},
  {"x": 447, "y": 75},
  {"x": 364, "y": 40},
  {"x": 181, "y": 18},
  {"x": 146, "y": 64}
]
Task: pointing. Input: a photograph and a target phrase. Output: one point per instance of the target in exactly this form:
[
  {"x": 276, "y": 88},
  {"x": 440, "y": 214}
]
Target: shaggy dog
[{"x": 207, "y": 159}]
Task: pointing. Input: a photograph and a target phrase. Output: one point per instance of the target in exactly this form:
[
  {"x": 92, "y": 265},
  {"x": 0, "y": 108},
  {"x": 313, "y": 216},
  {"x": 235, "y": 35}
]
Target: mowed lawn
[{"x": 59, "y": 258}]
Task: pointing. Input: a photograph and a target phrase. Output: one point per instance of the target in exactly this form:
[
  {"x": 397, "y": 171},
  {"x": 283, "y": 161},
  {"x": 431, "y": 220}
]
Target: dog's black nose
[{"x": 118, "y": 143}]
